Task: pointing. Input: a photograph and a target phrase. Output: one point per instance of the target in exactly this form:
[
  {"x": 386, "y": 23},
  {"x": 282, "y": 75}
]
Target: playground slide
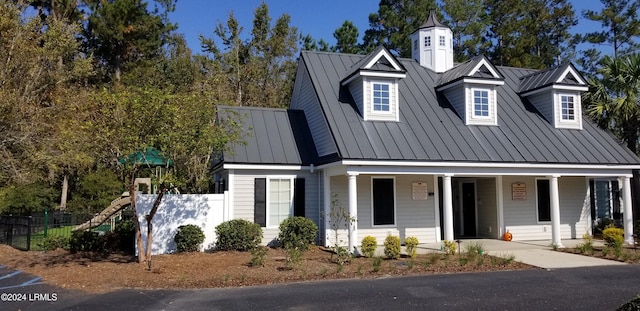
[{"x": 115, "y": 206}]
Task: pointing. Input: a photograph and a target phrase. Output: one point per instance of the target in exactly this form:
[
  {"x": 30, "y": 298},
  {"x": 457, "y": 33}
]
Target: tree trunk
[
  {"x": 149, "y": 218},
  {"x": 136, "y": 222},
  {"x": 65, "y": 189}
]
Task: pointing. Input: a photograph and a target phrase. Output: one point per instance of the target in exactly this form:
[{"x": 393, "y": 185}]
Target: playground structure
[{"x": 151, "y": 159}]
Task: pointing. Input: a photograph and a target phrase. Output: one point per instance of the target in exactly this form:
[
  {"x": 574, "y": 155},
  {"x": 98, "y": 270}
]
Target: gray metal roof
[
  {"x": 464, "y": 70},
  {"x": 543, "y": 78},
  {"x": 275, "y": 136},
  {"x": 430, "y": 130},
  {"x": 379, "y": 66},
  {"x": 432, "y": 21}
]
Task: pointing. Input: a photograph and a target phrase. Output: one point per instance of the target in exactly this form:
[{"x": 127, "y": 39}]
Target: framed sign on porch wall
[
  {"x": 419, "y": 191},
  {"x": 518, "y": 191}
]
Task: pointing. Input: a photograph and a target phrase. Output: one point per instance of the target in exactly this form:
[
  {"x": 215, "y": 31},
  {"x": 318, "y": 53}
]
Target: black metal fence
[{"x": 28, "y": 232}]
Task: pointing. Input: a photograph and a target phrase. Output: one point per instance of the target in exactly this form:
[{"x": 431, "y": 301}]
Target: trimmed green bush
[
  {"x": 188, "y": 238},
  {"x": 613, "y": 237},
  {"x": 238, "y": 235},
  {"x": 368, "y": 246},
  {"x": 86, "y": 241},
  {"x": 392, "y": 247},
  {"x": 54, "y": 242},
  {"x": 411, "y": 244},
  {"x": 297, "y": 232}
]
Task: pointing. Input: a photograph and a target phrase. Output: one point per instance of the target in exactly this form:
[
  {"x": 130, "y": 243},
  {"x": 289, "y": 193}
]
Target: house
[{"x": 427, "y": 148}]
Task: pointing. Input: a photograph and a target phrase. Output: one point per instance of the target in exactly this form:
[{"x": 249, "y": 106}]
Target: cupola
[{"x": 432, "y": 45}]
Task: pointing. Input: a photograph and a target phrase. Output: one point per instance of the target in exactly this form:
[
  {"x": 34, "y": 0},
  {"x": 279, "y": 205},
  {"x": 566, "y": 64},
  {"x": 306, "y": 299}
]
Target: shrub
[
  {"x": 604, "y": 223},
  {"x": 297, "y": 232},
  {"x": 188, "y": 238},
  {"x": 54, "y": 242},
  {"x": 368, "y": 246},
  {"x": 258, "y": 256},
  {"x": 411, "y": 244},
  {"x": 587, "y": 246},
  {"x": 86, "y": 241},
  {"x": 449, "y": 247},
  {"x": 238, "y": 235},
  {"x": 474, "y": 248},
  {"x": 613, "y": 237},
  {"x": 376, "y": 264},
  {"x": 392, "y": 247}
]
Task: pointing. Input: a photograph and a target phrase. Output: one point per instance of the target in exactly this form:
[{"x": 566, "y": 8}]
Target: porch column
[
  {"x": 555, "y": 212},
  {"x": 447, "y": 207},
  {"x": 628, "y": 210},
  {"x": 353, "y": 212}
]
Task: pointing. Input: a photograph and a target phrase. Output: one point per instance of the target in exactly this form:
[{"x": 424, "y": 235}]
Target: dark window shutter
[
  {"x": 260, "y": 201},
  {"x": 298, "y": 197},
  {"x": 544, "y": 200}
]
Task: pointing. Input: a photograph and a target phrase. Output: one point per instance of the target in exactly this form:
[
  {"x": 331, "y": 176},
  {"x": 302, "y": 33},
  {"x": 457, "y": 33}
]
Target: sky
[{"x": 317, "y": 18}]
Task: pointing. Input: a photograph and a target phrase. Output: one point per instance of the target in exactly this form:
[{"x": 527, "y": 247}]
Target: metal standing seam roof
[
  {"x": 430, "y": 130},
  {"x": 274, "y": 136},
  {"x": 464, "y": 70},
  {"x": 545, "y": 78}
]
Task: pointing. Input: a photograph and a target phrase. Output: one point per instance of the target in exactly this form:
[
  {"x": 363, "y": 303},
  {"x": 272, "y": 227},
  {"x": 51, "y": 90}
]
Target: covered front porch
[{"x": 435, "y": 204}]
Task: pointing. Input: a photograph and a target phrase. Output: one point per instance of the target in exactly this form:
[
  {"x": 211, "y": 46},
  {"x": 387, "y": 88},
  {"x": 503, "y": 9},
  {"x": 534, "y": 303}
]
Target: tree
[
  {"x": 123, "y": 32},
  {"x": 394, "y": 22},
  {"x": 346, "y": 38},
  {"x": 620, "y": 26},
  {"x": 614, "y": 101},
  {"x": 468, "y": 22},
  {"x": 258, "y": 71},
  {"x": 531, "y": 34}
]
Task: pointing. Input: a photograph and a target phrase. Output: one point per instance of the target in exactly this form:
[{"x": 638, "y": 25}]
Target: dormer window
[
  {"x": 380, "y": 97},
  {"x": 373, "y": 83},
  {"x": 471, "y": 88},
  {"x": 427, "y": 41},
  {"x": 555, "y": 92},
  {"x": 481, "y": 103},
  {"x": 567, "y": 109},
  {"x": 442, "y": 41}
]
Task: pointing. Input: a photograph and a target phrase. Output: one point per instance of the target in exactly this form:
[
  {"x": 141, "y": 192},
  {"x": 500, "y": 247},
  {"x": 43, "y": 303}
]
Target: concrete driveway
[{"x": 535, "y": 253}]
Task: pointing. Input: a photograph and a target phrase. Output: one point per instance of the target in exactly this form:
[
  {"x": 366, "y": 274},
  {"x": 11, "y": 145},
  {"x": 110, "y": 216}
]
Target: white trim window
[
  {"x": 427, "y": 41},
  {"x": 383, "y": 201},
  {"x": 381, "y": 97},
  {"x": 480, "y": 103},
  {"x": 567, "y": 107},
  {"x": 279, "y": 200},
  {"x": 442, "y": 40}
]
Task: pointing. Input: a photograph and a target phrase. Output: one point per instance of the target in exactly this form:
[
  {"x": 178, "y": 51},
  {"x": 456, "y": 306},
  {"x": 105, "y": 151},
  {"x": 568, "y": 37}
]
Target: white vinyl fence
[{"x": 203, "y": 210}]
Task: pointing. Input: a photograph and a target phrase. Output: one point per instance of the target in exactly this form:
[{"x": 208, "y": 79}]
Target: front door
[{"x": 468, "y": 209}]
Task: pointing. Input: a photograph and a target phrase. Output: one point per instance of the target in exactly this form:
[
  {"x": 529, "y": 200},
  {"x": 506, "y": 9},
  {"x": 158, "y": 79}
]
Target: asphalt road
[{"x": 597, "y": 288}]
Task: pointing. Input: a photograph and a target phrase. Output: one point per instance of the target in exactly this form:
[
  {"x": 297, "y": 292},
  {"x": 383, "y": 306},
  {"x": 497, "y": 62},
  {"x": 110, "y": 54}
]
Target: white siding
[
  {"x": 413, "y": 217},
  {"x": 304, "y": 98},
  {"x": 487, "y": 208},
  {"x": 243, "y": 196},
  {"x": 520, "y": 216}
]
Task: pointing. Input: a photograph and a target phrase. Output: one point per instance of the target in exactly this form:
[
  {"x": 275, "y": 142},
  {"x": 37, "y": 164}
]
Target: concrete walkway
[{"x": 535, "y": 253}]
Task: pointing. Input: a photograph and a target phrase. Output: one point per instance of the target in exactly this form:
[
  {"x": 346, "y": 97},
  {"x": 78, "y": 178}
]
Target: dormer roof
[
  {"x": 478, "y": 67},
  {"x": 380, "y": 62},
  {"x": 565, "y": 75}
]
